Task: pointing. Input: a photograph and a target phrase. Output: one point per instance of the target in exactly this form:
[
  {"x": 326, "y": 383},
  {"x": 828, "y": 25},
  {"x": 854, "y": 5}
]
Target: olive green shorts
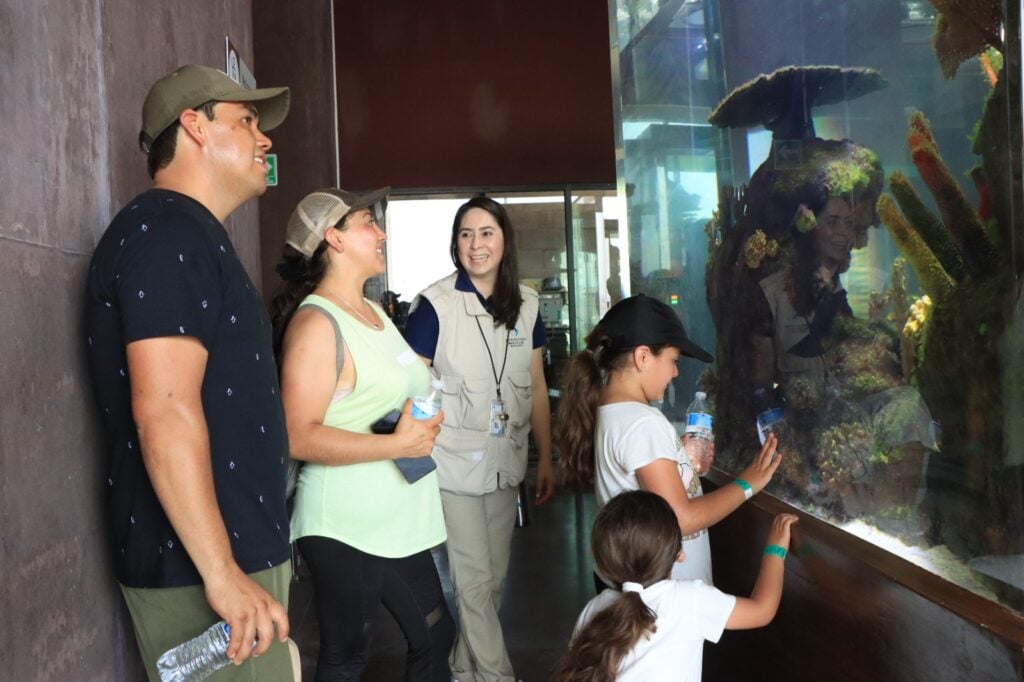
[{"x": 166, "y": 617}]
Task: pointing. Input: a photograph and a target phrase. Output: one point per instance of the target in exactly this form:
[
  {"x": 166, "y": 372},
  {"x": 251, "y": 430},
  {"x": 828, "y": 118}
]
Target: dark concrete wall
[
  {"x": 294, "y": 49},
  {"x": 73, "y": 78}
]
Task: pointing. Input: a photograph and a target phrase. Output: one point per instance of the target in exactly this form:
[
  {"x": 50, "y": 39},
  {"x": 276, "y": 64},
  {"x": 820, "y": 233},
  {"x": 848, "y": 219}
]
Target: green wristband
[
  {"x": 776, "y": 550},
  {"x": 748, "y": 492}
]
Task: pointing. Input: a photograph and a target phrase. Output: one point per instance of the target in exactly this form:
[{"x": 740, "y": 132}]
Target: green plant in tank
[{"x": 848, "y": 176}]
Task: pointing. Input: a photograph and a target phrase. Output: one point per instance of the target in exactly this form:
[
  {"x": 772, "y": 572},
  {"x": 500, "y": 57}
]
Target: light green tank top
[{"x": 370, "y": 506}]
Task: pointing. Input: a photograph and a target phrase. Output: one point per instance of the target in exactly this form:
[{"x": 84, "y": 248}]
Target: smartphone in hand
[{"x": 387, "y": 423}]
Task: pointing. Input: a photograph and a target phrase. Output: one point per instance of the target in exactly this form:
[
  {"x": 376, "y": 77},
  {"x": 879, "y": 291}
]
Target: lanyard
[{"x": 494, "y": 371}]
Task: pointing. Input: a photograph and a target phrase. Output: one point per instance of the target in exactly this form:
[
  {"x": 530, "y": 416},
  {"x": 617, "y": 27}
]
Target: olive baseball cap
[
  {"x": 326, "y": 208},
  {"x": 192, "y": 85},
  {"x": 645, "y": 321}
]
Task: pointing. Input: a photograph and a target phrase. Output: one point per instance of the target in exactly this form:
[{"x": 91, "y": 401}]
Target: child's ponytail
[
  {"x": 577, "y": 414},
  {"x": 585, "y": 375},
  {"x": 635, "y": 541},
  {"x": 600, "y": 646}
]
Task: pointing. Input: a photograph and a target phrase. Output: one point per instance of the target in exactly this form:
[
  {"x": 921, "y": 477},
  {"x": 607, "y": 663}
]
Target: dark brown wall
[
  {"x": 73, "y": 79},
  {"x": 294, "y": 49},
  {"x": 851, "y": 611},
  {"x": 442, "y": 93}
]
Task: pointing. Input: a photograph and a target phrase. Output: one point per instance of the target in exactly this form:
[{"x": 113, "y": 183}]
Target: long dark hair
[
  {"x": 301, "y": 276},
  {"x": 636, "y": 539},
  {"x": 585, "y": 375},
  {"x": 506, "y": 298}
]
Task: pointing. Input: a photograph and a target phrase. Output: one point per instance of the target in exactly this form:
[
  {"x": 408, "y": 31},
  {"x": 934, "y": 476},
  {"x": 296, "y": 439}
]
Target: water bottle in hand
[
  {"x": 425, "y": 407},
  {"x": 698, "y": 425},
  {"x": 198, "y": 658}
]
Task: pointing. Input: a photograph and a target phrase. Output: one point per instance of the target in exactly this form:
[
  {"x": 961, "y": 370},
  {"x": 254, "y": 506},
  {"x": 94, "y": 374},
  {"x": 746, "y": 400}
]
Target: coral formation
[
  {"x": 963, "y": 29},
  {"x": 964, "y": 256},
  {"x": 782, "y": 100},
  {"x": 843, "y": 453},
  {"x": 757, "y": 248}
]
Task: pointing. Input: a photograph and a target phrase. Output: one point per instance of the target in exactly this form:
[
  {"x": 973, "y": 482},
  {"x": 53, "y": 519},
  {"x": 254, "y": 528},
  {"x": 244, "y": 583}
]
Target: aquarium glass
[{"x": 828, "y": 193}]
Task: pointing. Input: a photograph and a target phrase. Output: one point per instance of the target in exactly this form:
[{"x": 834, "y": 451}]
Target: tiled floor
[{"x": 548, "y": 583}]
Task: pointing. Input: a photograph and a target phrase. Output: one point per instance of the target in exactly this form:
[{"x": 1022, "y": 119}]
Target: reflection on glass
[{"x": 856, "y": 270}]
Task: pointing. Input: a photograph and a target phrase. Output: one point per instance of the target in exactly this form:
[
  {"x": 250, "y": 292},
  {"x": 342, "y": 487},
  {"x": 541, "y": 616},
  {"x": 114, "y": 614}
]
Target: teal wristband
[
  {"x": 748, "y": 492},
  {"x": 776, "y": 550}
]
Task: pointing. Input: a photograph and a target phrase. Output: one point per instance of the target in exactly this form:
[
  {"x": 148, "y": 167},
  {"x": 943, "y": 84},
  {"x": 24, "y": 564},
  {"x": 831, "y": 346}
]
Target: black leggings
[{"x": 349, "y": 586}]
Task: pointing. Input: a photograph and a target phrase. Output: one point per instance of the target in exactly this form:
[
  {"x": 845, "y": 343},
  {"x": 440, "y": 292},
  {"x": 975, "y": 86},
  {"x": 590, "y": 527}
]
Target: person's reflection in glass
[{"x": 796, "y": 309}]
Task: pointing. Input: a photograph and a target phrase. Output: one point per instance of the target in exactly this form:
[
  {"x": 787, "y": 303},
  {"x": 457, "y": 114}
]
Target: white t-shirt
[
  {"x": 629, "y": 436},
  {"x": 688, "y": 612}
]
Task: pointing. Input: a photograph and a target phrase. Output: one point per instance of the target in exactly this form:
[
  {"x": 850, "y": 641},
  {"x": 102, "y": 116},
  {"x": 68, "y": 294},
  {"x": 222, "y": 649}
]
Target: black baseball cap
[{"x": 645, "y": 321}]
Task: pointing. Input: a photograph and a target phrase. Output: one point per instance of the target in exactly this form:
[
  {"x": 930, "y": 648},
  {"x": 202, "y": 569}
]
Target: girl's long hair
[
  {"x": 635, "y": 538},
  {"x": 301, "y": 276},
  {"x": 506, "y": 298},
  {"x": 584, "y": 376}
]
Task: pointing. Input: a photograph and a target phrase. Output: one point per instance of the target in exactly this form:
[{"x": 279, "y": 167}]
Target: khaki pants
[
  {"x": 479, "y": 539},
  {"x": 166, "y": 617}
]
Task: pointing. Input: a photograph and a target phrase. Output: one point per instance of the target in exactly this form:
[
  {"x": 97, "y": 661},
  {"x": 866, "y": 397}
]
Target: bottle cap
[
  {"x": 437, "y": 383},
  {"x": 700, "y": 395}
]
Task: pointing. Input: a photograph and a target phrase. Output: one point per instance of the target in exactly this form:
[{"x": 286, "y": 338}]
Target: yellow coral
[
  {"x": 918, "y": 316},
  {"x": 755, "y": 249}
]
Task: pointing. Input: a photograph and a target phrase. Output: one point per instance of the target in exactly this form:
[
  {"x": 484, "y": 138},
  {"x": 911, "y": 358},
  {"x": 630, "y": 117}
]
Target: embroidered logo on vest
[{"x": 514, "y": 339}]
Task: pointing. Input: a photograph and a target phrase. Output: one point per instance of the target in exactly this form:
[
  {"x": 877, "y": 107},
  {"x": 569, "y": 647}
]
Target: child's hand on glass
[{"x": 765, "y": 463}]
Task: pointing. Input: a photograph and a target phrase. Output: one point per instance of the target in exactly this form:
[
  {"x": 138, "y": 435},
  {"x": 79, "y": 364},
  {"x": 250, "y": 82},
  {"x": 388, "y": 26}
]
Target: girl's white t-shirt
[
  {"x": 629, "y": 436},
  {"x": 688, "y": 613}
]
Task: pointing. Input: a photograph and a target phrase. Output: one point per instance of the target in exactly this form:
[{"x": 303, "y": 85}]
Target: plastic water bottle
[
  {"x": 425, "y": 407},
  {"x": 198, "y": 658},
  {"x": 768, "y": 421},
  {"x": 769, "y": 417},
  {"x": 698, "y": 425}
]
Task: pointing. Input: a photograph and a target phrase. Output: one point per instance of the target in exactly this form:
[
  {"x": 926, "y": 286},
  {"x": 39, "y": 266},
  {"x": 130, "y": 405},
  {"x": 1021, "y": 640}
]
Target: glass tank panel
[{"x": 829, "y": 195}]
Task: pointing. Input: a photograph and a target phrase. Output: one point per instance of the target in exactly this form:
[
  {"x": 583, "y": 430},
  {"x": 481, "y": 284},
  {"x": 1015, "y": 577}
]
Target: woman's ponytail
[{"x": 301, "y": 276}]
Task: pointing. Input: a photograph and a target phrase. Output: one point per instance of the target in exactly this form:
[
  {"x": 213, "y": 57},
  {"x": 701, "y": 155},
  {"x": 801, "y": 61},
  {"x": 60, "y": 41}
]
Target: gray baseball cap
[
  {"x": 192, "y": 85},
  {"x": 326, "y": 208}
]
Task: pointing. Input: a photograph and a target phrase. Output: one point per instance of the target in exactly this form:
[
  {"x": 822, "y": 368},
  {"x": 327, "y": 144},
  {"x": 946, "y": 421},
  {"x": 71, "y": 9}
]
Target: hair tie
[{"x": 633, "y": 587}]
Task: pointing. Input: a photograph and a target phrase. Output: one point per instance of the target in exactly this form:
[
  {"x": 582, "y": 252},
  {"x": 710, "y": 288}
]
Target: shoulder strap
[{"x": 338, "y": 339}]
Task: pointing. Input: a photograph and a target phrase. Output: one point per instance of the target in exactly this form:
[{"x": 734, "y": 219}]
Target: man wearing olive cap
[{"x": 179, "y": 346}]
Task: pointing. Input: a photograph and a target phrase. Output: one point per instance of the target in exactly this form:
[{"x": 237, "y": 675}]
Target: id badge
[{"x": 498, "y": 417}]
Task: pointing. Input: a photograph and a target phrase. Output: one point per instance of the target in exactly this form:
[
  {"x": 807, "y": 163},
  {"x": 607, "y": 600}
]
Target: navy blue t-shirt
[
  {"x": 165, "y": 267},
  {"x": 422, "y": 329}
]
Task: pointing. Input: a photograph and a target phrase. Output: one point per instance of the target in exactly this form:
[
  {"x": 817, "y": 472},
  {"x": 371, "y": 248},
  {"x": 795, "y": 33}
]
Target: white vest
[
  {"x": 789, "y": 328},
  {"x": 470, "y": 461}
]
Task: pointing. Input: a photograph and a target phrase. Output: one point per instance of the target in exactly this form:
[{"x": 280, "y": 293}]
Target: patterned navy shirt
[{"x": 165, "y": 267}]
